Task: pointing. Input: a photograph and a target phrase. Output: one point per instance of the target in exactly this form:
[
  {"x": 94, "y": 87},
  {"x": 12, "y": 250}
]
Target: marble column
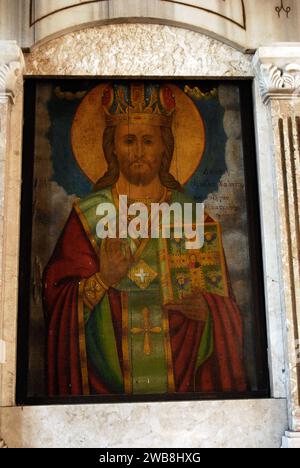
[
  {"x": 11, "y": 119},
  {"x": 278, "y": 74}
]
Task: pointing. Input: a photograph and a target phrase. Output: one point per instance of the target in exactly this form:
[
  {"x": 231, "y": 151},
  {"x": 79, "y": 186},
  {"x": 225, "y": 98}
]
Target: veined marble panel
[
  {"x": 137, "y": 50},
  {"x": 206, "y": 424}
]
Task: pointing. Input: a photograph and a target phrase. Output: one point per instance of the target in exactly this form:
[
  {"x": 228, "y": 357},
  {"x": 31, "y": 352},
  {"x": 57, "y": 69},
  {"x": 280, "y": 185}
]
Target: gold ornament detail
[
  {"x": 147, "y": 331},
  {"x": 93, "y": 291},
  {"x": 142, "y": 275},
  {"x": 197, "y": 94}
]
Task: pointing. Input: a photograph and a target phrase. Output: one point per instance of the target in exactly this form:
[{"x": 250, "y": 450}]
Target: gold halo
[{"x": 89, "y": 124}]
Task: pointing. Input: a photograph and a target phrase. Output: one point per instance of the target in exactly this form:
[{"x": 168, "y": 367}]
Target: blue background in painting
[{"x": 68, "y": 175}]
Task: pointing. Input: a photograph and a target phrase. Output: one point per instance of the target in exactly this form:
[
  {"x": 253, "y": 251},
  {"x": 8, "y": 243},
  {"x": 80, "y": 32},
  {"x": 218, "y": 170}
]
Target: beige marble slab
[{"x": 223, "y": 424}]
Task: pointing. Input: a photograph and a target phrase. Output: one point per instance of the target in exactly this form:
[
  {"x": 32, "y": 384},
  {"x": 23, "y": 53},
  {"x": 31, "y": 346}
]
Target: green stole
[{"x": 146, "y": 347}]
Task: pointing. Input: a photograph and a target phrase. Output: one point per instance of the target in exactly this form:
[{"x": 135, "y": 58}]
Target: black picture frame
[{"x": 255, "y": 245}]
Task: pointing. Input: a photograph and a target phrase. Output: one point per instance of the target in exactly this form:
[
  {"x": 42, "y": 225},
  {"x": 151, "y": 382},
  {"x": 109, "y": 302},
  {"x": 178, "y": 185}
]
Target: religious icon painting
[{"x": 141, "y": 274}]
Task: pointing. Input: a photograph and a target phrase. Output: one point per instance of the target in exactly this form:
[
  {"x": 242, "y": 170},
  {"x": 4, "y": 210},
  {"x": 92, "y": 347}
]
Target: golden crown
[{"x": 138, "y": 103}]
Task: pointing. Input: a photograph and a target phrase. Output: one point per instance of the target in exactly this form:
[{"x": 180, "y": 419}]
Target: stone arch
[{"x": 136, "y": 50}]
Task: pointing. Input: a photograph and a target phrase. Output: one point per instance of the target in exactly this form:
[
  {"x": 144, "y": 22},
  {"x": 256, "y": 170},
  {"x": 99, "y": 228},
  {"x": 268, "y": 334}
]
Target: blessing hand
[{"x": 115, "y": 260}]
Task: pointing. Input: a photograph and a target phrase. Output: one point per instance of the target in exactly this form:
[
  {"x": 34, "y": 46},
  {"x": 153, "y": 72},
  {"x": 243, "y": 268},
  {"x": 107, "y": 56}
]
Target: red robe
[{"x": 73, "y": 260}]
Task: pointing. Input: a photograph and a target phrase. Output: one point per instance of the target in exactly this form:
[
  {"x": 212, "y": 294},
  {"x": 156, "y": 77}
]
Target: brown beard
[{"x": 138, "y": 176}]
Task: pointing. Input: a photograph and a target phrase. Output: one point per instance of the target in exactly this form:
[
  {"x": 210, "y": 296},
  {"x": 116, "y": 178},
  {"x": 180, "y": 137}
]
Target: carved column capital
[
  {"x": 11, "y": 70},
  {"x": 278, "y": 71}
]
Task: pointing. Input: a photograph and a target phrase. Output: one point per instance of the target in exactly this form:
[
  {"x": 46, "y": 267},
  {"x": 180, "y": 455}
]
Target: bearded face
[{"x": 139, "y": 150}]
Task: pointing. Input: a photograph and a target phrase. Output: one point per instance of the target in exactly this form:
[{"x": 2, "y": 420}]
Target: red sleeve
[
  {"x": 224, "y": 371},
  {"x": 73, "y": 259}
]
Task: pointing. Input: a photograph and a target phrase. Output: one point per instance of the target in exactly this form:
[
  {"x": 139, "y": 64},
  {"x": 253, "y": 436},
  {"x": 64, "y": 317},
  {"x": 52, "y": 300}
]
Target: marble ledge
[
  {"x": 291, "y": 440},
  {"x": 223, "y": 424}
]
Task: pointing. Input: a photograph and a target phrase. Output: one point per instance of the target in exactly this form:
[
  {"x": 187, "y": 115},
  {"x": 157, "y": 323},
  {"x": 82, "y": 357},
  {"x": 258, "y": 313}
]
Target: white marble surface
[
  {"x": 291, "y": 440},
  {"x": 262, "y": 25},
  {"x": 222, "y": 424},
  {"x": 137, "y": 50},
  {"x": 270, "y": 234},
  {"x": 11, "y": 122},
  {"x": 278, "y": 77}
]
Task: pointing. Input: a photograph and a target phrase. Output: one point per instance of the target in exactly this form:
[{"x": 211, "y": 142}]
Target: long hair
[{"x": 113, "y": 171}]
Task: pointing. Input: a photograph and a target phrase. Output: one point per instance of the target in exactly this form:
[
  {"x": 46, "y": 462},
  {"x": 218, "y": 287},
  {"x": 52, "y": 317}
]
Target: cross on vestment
[
  {"x": 147, "y": 330},
  {"x": 142, "y": 275}
]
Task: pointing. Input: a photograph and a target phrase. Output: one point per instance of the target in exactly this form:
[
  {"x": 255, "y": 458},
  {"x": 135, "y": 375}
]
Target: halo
[{"x": 89, "y": 124}]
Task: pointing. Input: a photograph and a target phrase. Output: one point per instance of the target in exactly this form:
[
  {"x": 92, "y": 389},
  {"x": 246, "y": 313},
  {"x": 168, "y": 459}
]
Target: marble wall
[
  {"x": 162, "y": 51},
  {"x": 245, "y": 23}
]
